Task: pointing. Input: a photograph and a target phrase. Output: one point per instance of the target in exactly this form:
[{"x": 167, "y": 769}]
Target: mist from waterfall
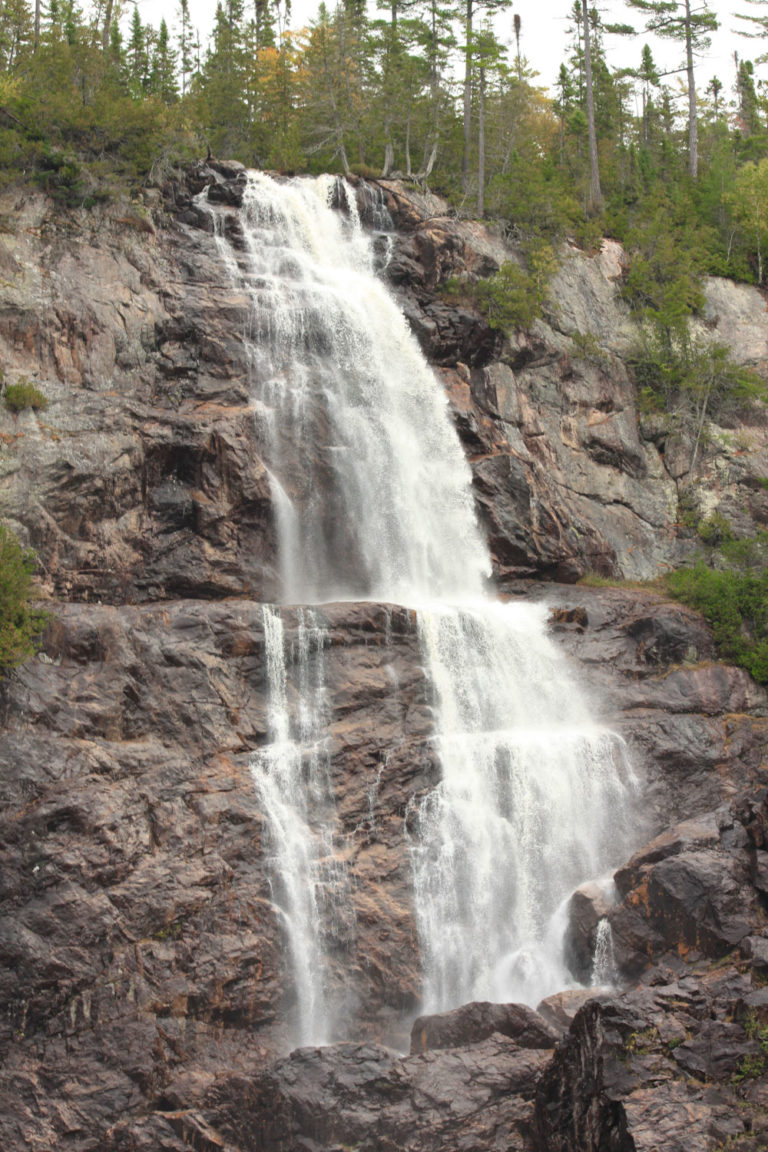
[{"x": 372, "y": 498}]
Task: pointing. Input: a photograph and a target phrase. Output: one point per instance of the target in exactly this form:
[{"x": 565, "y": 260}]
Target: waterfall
[
  {"x": 292, "y": 780},
  {"x": 603, "y": 962},
  {"x": 531, "y": 798},
  {"x": 373, "y": 500},
  {"x": 352, "y": 423}
]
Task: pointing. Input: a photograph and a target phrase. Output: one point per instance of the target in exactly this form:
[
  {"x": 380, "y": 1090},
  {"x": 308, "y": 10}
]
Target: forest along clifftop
[{"x": 141, "y": 971}]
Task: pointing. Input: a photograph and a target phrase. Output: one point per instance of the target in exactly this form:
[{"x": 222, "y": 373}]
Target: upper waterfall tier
[{"x": 371, "y": 489}]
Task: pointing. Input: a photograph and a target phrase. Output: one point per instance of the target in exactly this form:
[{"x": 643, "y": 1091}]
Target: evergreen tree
[
  {"x": 162, "y": 76},
  {"x": 436, "y": 38},
  {"x": 747, "y": 98},
  {"x": 471, "y": 9},
  {"x": 16, "y": 33},
  {"x": 489, "y": 62},
  {"x": 749, "y": 199},
  {"x": 184, "y": 41},
  {"x": 137, "y": 56},
  {"x": 224, "y": 84},
  {"x": 564, "y": 104},
  {"x": 676, "y": 19},
  {"x": 649, "y": 79},
  {"x": 595, "y": 202},
  {"x": 714, "y": 88},
  {"x": 337, "y": 93}
]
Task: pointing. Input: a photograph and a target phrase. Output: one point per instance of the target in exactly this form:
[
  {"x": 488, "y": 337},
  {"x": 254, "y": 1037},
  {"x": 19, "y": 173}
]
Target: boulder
[
  {"x": 475, "y": 1022},
  {"x": 588, "y": 905},
  {"x": 628, "y": 1077},
  {"x": 365, "y": 1097}
]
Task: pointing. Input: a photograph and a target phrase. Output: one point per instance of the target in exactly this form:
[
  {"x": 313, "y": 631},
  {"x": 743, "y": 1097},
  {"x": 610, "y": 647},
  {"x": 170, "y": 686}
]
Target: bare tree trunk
[
  {"x": 342, "y": 154},
  {"x": 481, "y": 147},
  {"x": 517, "y": 23},
  {"x": 408, "y": 145},
  {"x": 36, "y": 43},
  {"x": 467, "y": 98},
  {"x": 429, "y": 163},
  {"x": 389, "y": 159},
  {"x": 701, "y": 416},
  {"x": 107, "y": 24},
  {"x": 759, "y": 261},
  {"x": 693, "y": 130},
  {"x": 595, "y": 202}
]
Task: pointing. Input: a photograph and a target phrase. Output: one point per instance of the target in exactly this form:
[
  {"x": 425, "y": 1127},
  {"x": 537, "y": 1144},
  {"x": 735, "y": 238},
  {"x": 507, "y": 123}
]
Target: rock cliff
[{"x": 143, "y": 981}]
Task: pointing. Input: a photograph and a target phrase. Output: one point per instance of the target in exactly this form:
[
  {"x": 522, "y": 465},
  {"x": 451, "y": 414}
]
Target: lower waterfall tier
[{"x": 143, "y": 958}]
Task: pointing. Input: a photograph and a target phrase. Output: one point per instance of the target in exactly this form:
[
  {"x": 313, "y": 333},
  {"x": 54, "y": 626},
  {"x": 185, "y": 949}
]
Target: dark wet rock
[
  {"x": 692, "y": 891},
  {"x": 560, "y": 1009},
  {"x": 587, "y": 907},
  {"x": 654, "y": 1070},
  {"x": 140, "y": 954},
  {"x": 365, "y": 1097},
  {"x": 475, "y": 1022}
]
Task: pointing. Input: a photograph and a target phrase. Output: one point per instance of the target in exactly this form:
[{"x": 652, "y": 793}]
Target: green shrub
[
  {"x": 734, "y": 600},
  {"x": 24, "y": 394},
  {"x": 714, "y": 530},
  {"x": 587, "y": 347},
  {"x": 514, "y": 297},
  {"x": 20, "y": 623}
]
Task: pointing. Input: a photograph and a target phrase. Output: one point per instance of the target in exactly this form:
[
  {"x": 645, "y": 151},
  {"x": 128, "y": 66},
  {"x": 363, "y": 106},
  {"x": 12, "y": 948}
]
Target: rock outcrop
[
  {"x": 569, "y": 477},
  {"x": 679, "y": 1067},
  {"x": 143, "y": 980}
]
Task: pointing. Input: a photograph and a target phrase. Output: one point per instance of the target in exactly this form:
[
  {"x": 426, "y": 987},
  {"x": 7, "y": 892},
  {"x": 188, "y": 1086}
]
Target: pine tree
[
  {"x": 184, "y": 41},
  {"x": 747, "y": 98},
  {"x": 714, "y": 88},
  {"x": 137, "y": 57},
  {"x": 595, "y": 203},
  {"x": 16, "y": 33},
  {"x": 649, "y": 77},
  {"x": 435, "y": 34},
  {"x": 488, "y": 55},
  {"x": 676, "y": 20},
  {"x": 162, "y": 78},
  {"x": 563, "y": 105},
  {"x": 471, "y": 9}
]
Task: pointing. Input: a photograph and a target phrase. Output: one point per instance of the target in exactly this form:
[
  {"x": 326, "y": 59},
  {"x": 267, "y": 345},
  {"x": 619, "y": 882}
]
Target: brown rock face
[
  {"x": 364, "y": 1096},
  {"x": 146, "y": 992},
  {"x": 143, "y": 479},
  {"x": 656, "y": 1070},
  {"x": 140, "y": 953},
  {"x": 568, "y": 477}
]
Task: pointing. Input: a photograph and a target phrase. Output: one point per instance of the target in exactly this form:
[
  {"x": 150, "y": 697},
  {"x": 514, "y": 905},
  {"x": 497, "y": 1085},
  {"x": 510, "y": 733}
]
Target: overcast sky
[{"x": 543, "y": 34}]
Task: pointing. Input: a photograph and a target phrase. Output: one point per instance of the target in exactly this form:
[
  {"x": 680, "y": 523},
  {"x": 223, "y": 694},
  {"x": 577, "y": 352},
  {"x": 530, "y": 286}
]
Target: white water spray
[{"x": 373, "y": 501}]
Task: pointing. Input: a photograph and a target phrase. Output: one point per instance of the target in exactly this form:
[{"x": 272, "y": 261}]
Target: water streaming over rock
[
  {"x": 604, "y": 962},
  {"x": 373, "y": 492},
  {"x": 292, "y": 779},
  {"x": 373, "y": 501}
]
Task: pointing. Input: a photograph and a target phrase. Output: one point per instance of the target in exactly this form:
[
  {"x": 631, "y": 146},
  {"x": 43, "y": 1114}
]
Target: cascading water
[
  {"x": 373, "y": 501},
  {"x": 372, "y": 490},
  {"x": 603, "y": 963},
  {"x": 531, "y": 797}
]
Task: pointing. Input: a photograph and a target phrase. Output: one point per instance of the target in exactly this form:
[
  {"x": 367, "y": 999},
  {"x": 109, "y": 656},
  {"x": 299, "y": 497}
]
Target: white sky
[{"x": 543, "y": 39}]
